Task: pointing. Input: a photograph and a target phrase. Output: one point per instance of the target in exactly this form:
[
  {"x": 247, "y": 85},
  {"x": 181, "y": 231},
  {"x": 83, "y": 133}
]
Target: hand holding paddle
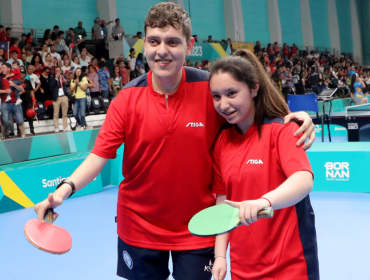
[
  {"x": 50, "y": 202},
  {"x": 251, "y": 210}
]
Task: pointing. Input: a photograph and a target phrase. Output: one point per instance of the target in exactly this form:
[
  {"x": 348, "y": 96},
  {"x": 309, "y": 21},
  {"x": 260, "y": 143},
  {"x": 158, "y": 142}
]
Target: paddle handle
[
  {"x": 265, "y": 213},
  {"x": 48, "y": 218}
]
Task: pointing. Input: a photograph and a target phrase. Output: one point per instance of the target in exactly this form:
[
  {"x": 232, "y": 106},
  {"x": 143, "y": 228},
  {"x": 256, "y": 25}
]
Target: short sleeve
[
  {"x": 108, "y": 76},
  {"x": 218, "y": 186},
  {"x": 112, "y": 133},
  {"x": 84, "y": 81},
  {"x": 291, "y": 158}
]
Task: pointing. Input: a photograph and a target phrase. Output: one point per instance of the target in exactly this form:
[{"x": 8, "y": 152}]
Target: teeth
[
  {"x": 229, "y": 113},
  {"x": 163, "y": 61}
]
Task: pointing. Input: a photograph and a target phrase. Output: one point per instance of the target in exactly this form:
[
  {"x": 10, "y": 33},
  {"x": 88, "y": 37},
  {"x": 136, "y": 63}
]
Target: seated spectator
[
  {"x": 22, "y": 43},
  {"x": 75, "y": 63},
  {"x": 209, "y": 39},
  {"x": 48, "y": 62},
  {"x": 28, "y": 98},
  {"x": 3, "y": 36},
  {"x": 276, "y": 48},
  {"x": 58, "y": 47},
  {"x": 117, "y": 31},
  {"x": 14, "y": 57},
  {"x": 140, "y": 64},
  {"x": 30, "y": 39},
  {"x": 38, "y": 64},
  {"x": 44, "y": 51},
  {"x": 205, "y": 65},
  {"x": 78, "y": 88},
  {"x": 88, "y": 55},
  {"x": 55, "y": 32},
  {"x": 29, "y": 55},
  {"x": 9, "y": 107},
  {"x": 24, "y": 60},
  {"x": 61, "y": 40},
  {"x": 15, "y": 46},
  {"x": 47, "y": 37},
  {"x": 67, "y": 67},
  {"x": 94, "y": 63},
  {"x": 53, "y": 54},
  {"x": 8, "y": 31},
  {"x": 257, "y": 47},
  {"x": 83, "y": 59},
  {"x": 93, "y": 77},
  {"x": 116, "y": 81},
  {"x": 2, "y": 56},
  {"x": 104, "y": 79},
  {"x": 195, "y": 38}
]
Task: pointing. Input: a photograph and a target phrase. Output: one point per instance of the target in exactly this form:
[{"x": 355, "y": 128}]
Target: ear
[
  {"x": 189, "y": 46},
  {"x": 255, "y": 89}
]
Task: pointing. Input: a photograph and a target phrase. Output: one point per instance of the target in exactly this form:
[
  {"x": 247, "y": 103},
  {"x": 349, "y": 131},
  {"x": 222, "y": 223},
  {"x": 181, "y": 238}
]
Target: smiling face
[
  {"x": 166, "y": 50},
  {"x": 233, "y": 99}
]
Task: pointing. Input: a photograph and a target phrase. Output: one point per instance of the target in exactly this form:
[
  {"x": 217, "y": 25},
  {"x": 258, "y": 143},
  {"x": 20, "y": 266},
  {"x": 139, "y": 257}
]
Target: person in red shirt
[
  {"x": 286, "y": 52},
  {"x": 3, "y": 36},
  {"x": 257, "y": 164},
  {"x": 9, "y": 107},
  {"x": 15, "y": 47},
  {"x": 276, "y": 48},
  {"x": 15, "y": 76},
  {"x": 167, "y": 122}
]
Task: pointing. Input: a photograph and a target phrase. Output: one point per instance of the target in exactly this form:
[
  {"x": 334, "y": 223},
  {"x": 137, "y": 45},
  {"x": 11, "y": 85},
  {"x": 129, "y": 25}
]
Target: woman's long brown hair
[{"x": 244, "y": 66}]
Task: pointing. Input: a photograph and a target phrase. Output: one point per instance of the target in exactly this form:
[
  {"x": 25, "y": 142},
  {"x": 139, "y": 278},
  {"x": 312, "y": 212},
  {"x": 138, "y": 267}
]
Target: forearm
[
  {"x": 83, "y": 175},
  {"x": 7, "y": 91},
  {"x": 223, "y": 239},
  {"x": 293, "y": 190}
]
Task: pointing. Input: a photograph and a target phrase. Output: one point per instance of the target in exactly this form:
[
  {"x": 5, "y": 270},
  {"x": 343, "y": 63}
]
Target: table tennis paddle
[
  {"x": 46, "y": 236},
  {"x": 220, "y": 219}
]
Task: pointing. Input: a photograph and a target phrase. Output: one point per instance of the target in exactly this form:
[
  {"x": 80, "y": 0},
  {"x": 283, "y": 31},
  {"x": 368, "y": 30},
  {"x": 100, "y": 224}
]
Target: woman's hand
[
  {"x": 248, "y": 209},
  {"x": 307, "y": 127},
  {"x": 219, "y": 268}
]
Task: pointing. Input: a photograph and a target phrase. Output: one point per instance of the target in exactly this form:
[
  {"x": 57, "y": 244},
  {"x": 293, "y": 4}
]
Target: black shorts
[{"x": 136, "y": 263}]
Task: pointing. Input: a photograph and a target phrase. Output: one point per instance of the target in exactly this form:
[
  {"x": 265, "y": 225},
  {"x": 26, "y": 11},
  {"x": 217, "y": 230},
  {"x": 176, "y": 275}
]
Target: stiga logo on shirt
[
  {"x": 194, "y": 124},
  {"x": 254, "y": 161},
  {"x": 337, "y": 171},
  {"x": 128, "y": 260}
]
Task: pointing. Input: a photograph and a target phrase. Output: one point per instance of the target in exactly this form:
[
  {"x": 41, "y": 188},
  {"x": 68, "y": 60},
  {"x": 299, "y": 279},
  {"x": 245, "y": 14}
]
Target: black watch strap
[{"x": 69, "y": 182}]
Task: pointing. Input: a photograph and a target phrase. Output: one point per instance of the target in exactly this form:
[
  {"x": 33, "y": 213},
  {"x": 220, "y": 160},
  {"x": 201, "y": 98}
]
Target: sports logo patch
[{"x": 128, "y": 260}]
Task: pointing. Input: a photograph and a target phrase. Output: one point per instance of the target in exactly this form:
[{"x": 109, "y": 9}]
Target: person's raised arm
[{"x": 83, "y": 175}]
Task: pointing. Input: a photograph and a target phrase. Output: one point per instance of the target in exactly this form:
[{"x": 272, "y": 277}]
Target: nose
[
  {"x": 224, "y": 103},
  {"x": 162, "y": 50}
]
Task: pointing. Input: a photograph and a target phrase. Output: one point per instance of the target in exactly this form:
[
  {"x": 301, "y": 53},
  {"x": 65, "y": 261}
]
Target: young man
[
  {"x": 10, "y": 107},
  {"x": 168, "y": 124}
]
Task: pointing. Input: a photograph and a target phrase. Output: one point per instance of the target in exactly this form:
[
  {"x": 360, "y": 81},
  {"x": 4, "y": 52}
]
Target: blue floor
[{"x": 342, "y": 222}]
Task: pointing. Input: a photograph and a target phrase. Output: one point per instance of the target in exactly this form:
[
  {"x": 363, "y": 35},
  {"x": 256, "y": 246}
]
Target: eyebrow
[{"x": 157, "y": 37}]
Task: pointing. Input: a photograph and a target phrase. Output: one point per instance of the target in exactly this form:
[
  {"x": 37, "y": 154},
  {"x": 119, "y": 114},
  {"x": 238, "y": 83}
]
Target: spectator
[
  {"x": 28, "y": 99},
  {"x": 70, "y": 36},
  {"x": 67, "y": 67},
  {"x": 268, "y": 69},
  {"x": 315, "y": 78},
  {"x": 95, "y": 92},
  {"x": 22, "y": 43},
  {"x": 116, "y": 81},
  {"x": 3, "y": 36},
  {"x": 104, "y": 79},
  {"x": 295, "y": 49},
  {"x": 99, "y": 38},
  {"x": 139, "y": 35},
  {"x": 47, "y": 37},
  {"x": 276, "y": 48},
  {"x": 75, "y": 63},
  {"x": 45, "y": 91},
  {"x": 35, "y": 81},
  {"x": 299, "y": 82},
  {"x": 286, "y": 81},
  {"x": 117, "y": 31},
  {"x": 197, "y": 65},
  {"x": 48, "y": 60},
  {"x": 53, "y": 54},
  {"x": 83, "y": 61},
  {"x": 94, "y": 63},
  {"x": 104, "y": 25},
  {"x": 55, "y": 32},
  {"x": 140, "y": 64},
  {"x": 14, "y": 57},
  {"x": 8, "y": 31},
  {"x": 15, "y": 77},
  {"x": 285, "y": 52},
  {"x": 29, "y": 55},
  {"x": 78, "y": 87},
  {"x": 2, "y": 56},
  {"x": 38, "y": 64},
  {"x": 24, "y": 60},
  {"x": 58, "y": 46},
  {"x": 54, "y": 65},
  {"x": 9, "y": 107},
  {"x": 79, "y": 36},
  {"x": 88, "y": 55},
  {"x": 132, "y": 60},
  {"x": 44, "y": 51},
  {"x": 195, "y": 38},
  {"x": 58, "y": 86},
  {"x": 30, "y": 39},
  {"x": 209, "y": 39},
  {"x": 15, "y": 47},
  {"x": 205, "y": 66},
  {"x": 257, "y": 47},
  {"x": 125, "y": 72},
  {"x": 357, "y": 86},
  {"x": 271, "y": 52}
]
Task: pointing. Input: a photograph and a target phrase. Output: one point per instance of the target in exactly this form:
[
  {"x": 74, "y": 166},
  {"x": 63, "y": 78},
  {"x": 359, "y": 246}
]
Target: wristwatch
[{"x": 69, "y": 182}]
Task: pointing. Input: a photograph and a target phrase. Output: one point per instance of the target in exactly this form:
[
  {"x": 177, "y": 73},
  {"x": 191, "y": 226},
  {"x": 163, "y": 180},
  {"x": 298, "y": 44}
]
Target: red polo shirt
[
  {"x": 5, "y": 85},
  {"x": 167, "y": 163},
  {"x": 246, "y": 168}
]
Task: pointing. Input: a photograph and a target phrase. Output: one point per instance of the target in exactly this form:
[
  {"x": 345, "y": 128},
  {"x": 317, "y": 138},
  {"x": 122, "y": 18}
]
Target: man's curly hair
[{"x": 167, "y": 14}]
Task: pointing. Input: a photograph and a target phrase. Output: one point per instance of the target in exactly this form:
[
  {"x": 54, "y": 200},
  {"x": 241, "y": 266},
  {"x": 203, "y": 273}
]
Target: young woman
[
  {"x": 37, "y": 62},
  {"x": 93, "y": 77},
  {"x": 48, "y": 62},
  {"x": 75, "y": 63},
  {"x": 357, "y": 87},
  {"x": 116, "y": 81},
  {"x": 67, "y": 67},
  {"x": 79, "y": 86},
  {"x": 257, "y": 165}
]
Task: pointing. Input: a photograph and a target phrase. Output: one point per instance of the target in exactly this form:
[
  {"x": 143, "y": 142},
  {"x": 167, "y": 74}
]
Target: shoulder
[
  {"x": 196, "y": 75},
  {"x": 141, "y": 81}
]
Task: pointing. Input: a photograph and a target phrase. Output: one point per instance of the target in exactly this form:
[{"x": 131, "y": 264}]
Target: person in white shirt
[
  {"x": 35, "y": 81},
  {"x": 53, "y": 54},
  {"x": 83, "y": 60},
  {"x": 89, "y": 56},
  {"x": 117, "y": 31},
  {"x": 132, "y": 60},
  {"x": 14, "y": 57}
]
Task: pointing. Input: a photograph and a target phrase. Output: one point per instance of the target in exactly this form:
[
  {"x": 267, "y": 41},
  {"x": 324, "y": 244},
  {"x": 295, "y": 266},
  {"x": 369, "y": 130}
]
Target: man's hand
[{"x": 307, "y": 128}]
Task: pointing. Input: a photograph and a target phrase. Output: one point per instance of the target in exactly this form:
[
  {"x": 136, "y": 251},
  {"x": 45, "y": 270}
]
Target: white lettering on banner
[
  {"x": 317, "y": 128},
  {"x": 194, "y": 124},
  {"x": 352, "y": 125},
  {"x": 197, "y": 51},
  {"x": 54, "y": 182},
  {"x": 337, "y": 171},
  {"x": 339, "y": 128},
  {"x": 254, "y": 161}
]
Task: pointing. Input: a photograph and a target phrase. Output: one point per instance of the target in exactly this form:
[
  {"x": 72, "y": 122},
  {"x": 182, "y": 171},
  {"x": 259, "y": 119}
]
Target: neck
[
  {"x": 245, "y": 124},
  {"x": 167, "y": 85}
]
